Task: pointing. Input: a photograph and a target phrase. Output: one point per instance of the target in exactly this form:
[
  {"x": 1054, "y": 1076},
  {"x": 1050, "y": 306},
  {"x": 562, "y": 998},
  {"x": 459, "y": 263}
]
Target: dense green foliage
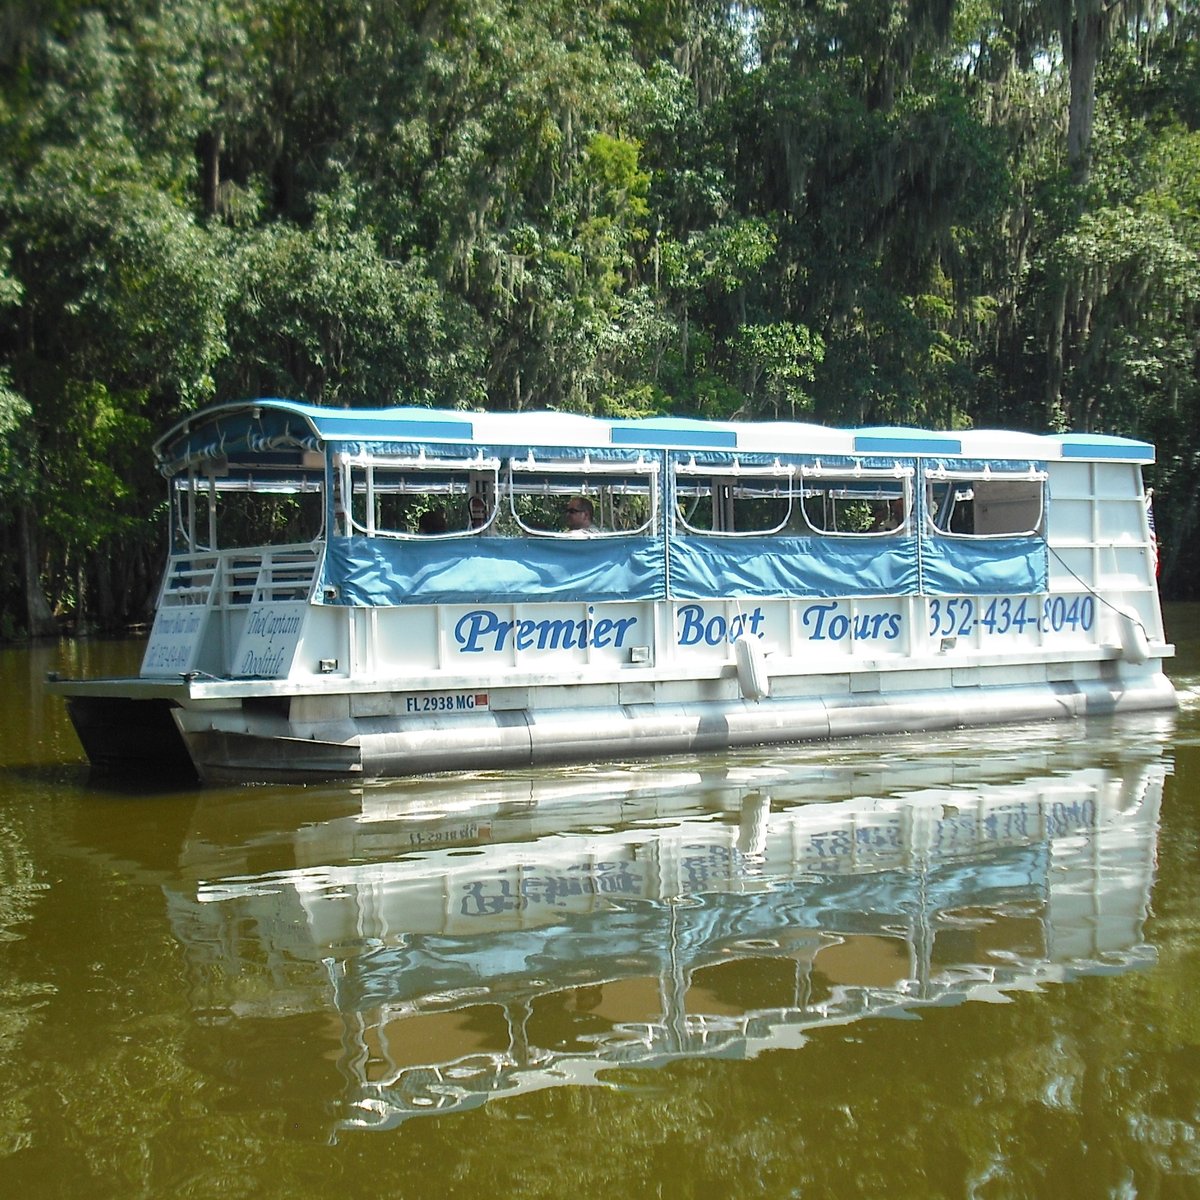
[{"x": 931, "y": 212}]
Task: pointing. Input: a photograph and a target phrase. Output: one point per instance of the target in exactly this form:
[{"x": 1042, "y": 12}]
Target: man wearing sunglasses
[{"x": 580, "y": 513}]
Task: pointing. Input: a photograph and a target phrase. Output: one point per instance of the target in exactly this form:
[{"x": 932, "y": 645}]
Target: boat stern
[{"x": 126, "y": 727}]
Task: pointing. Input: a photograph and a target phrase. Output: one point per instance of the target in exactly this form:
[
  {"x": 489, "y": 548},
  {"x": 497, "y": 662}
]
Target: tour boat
[{"x": 367, "y": 593}]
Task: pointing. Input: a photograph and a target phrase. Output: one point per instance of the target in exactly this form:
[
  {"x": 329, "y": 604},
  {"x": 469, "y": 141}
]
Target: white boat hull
[{"x": 302, "y": 739}]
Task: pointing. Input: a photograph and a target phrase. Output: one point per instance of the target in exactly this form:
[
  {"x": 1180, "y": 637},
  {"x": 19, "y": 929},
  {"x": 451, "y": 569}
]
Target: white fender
[
  {"x": 752, "y": 674},
  {"x": 1135, "y": 645}
]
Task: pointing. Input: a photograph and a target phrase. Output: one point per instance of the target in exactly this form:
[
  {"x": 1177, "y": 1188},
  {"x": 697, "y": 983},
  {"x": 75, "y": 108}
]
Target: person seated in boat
[
  {"x": 432, "y": 521},
  {"x": 580, "y": 516},
  {"x": 887, "y": 516}
]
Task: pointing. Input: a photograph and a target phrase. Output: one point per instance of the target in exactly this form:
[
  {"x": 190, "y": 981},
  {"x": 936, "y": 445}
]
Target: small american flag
[{"x": 1153, "y": 533}]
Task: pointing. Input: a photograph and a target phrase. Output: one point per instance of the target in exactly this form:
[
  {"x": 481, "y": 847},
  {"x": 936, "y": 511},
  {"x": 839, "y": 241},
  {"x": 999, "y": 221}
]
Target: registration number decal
[{"x": 446, "y": 702}]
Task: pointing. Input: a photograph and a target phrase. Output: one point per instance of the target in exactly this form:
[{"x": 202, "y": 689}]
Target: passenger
[
  {"x": 580, "y": 517},
  {"x": 886, "y": 517},
  {"x": 432, "y": 521}
]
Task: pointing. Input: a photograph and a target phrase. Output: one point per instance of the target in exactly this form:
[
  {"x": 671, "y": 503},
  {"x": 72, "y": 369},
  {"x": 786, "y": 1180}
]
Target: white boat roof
[{"x": 315, "y": 424}]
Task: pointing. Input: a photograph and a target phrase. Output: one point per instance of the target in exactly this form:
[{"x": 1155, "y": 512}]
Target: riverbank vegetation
[{"x": 929, "y": 212}]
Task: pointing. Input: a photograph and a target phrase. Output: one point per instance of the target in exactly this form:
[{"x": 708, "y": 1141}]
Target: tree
[
  {"x": 945, "y": 212},
  {"x": 120, "y": 322}
]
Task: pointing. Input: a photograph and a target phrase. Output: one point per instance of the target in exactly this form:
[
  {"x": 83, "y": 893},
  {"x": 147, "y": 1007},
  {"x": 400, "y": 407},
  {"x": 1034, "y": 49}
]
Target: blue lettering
[
  {"x": 695, "y": 625},
  {"x": 623, "y": 626},
  {"x": 553, "y": 634},
  {"x": 868, "y": 626},
  {"x": 827, "y": 623},
  {"x": 481, "y": 629},
  {"x": 746, "y": 624},
  {"x": 692, "y": 616},
  {"x": 474, "y": 626},
  {"x": 864, "y": 625},
  {"x": 815, "y": 615}
]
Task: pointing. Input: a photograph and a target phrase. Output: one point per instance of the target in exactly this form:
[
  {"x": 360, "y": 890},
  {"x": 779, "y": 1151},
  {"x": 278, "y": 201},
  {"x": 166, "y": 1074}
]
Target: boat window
[
  {"x": 418, "y": 498},
  {"x": 784, "y": 499},
  {"x": 743, "y": 502},
  {"x": 582, "y": 498},
  {"x": 868, "y": 502},
  {"x": 985, "y": 504},
  {"x": 222, "y": 508}
]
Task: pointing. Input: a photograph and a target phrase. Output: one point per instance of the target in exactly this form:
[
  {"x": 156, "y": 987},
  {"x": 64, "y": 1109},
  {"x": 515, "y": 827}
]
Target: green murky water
[{"x": 936, "y": 966}]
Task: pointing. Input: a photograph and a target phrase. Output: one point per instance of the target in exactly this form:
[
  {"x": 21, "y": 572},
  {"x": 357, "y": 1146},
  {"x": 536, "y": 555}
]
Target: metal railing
[{"x": 230, "y": 579}]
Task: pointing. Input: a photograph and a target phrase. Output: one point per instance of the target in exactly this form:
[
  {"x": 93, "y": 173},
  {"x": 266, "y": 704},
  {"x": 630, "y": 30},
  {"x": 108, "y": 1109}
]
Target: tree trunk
[
  {"x": 1081, "y": 42},
  {"x": 1056, "y": 357},
  {"x": 211, "y": 144},
  {"x": 81, "y": 598},
  {"x": 39, "y": 619},
  {"x": 105, "y": 598}
]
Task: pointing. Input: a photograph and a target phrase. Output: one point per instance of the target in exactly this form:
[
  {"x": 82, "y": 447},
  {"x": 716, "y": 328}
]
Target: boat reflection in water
[{"x": 547, "y": 930}]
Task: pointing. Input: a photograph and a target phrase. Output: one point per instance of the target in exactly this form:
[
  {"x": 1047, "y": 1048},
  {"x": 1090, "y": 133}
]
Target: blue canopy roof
[{"x": 281, "y": 427}]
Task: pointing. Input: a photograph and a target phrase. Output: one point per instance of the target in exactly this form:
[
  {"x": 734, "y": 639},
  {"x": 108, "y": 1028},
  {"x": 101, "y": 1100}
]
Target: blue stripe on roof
[
  {"x": 1099, "y": 445},
  {"x": 905, "y": 441},
  {"x": 355, "y": 426},
  {"x": 680, "y": 432}
]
